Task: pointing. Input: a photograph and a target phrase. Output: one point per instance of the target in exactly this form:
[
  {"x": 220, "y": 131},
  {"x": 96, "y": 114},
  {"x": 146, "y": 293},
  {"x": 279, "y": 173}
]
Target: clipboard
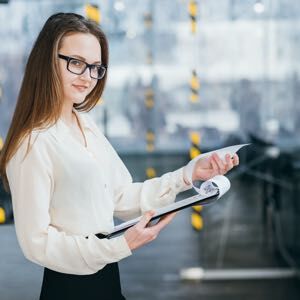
[
  {"x": 209, "y": 198},
  {"x": 209, "y": 192}
]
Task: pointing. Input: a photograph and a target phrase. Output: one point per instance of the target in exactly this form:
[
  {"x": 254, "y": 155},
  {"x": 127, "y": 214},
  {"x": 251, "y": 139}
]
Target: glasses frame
[{"x": 89, "y": 66}]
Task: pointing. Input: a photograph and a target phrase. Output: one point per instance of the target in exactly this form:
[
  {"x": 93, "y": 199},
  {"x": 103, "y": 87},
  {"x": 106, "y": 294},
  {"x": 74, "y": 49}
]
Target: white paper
[
  {"x": 219, "y": 181},
  {"x": 221, "y": 152}
]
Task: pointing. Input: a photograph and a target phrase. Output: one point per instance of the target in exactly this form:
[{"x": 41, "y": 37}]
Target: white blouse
[{"x": 64, "y": 193}]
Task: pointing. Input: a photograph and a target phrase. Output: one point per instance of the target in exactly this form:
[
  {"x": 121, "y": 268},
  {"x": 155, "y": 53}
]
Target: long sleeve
[
  {"x": 132, "y": 199},
  {"x": 31, "y": 184}
]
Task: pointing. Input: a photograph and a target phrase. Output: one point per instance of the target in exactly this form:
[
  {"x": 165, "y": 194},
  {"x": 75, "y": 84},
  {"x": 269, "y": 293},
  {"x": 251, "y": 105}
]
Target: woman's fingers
[
  {"x": 236, "y": 160},
  {"x": 214, "y": 165},
  {"x": 140, "y": 234},
  {"x": 221, "y": 167},
  {"x": 154, "y": 230},
  {"x": 146, "y": 219},
  {"x": 164, "y": 221},
  {"x": 220, "y": 164},
  {"x": 229, "y": 161}
]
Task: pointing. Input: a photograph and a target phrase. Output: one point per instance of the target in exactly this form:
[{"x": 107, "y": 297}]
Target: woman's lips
[{"x": 80, "y": 88}]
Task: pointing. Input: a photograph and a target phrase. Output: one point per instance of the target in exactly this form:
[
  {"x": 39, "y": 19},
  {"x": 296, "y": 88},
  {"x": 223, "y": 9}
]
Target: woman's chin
[{"x": 78, "y": 100}]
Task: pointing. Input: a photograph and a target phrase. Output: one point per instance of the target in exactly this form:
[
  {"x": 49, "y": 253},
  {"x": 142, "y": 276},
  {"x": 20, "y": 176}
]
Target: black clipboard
[{"x": 211, "y": 197}]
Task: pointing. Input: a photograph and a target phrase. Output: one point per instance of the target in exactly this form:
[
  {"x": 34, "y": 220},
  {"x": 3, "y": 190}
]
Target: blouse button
[{"x": 105, "y": 185}]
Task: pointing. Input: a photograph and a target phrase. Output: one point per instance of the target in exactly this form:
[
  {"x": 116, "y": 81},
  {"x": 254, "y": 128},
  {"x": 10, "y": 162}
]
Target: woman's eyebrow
[{"x": 82, "y": 58}]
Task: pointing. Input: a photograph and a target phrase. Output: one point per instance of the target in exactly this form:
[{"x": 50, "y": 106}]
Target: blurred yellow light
[
  {"x": 2, "y": 215},
  {"x": 150, "y": 147},
  {"x": 1, "y": 143},
  {"x": 150, "y": 172},
  {"x": 197, "y": 221},
  {"x": 195, "y": 137},
  {"x": 92, "y": 12},
  {"x": 197, "y": 208},
  {"x": 194, "y": 152}
]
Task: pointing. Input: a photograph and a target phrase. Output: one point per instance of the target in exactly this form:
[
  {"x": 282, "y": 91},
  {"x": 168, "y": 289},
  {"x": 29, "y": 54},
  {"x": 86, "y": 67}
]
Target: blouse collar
[{"x": 62, "y": 128}]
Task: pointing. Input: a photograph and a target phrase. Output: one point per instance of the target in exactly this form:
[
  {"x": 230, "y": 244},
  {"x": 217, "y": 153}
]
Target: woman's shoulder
[
  {"x": 89, "y": 122},
  {"x": 39, "y": 136},
  {"x": 87, "y": 119},
  {"x": 34, "y": 148},
  {"x": 35, "y": 141}
]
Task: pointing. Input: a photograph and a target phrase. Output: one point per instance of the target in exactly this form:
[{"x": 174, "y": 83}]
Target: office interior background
[{"x": 187, "y": 77}]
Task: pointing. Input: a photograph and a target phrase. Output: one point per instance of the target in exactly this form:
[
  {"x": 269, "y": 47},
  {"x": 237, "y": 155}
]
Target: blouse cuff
[
  {"x": 119, "y": 244},
  {"x": 180, "y": 184},
  {"x": 107, "y": 250}
]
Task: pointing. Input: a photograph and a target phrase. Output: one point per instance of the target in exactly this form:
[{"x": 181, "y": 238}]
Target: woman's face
[{"x": 84, "y": 47}]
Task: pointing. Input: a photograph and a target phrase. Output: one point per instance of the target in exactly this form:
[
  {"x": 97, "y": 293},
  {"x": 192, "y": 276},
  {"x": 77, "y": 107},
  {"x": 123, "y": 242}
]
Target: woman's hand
[
  {"x": 213, "y": 165},
  {"x": 142, "y": 233}
]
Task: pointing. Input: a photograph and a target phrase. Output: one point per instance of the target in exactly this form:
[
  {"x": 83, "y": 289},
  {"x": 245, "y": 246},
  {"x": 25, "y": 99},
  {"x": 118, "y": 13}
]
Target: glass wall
[{"x": 237, "y": 76}]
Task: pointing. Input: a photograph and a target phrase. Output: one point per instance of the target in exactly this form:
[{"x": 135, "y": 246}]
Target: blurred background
[{"x": 186, "y": 77}]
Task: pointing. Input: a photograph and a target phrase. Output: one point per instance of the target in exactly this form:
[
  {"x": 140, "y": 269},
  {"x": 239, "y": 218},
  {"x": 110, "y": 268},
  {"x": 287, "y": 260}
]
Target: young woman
[{"x": 66, "y": 180}]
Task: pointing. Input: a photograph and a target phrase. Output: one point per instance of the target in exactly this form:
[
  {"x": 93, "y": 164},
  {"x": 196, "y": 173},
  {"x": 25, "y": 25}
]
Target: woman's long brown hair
[{"x": 39, "y": 102}]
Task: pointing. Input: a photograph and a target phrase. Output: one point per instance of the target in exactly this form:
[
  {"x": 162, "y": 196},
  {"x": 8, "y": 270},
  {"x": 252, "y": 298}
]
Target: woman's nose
[{"x": 86, "y": 75}]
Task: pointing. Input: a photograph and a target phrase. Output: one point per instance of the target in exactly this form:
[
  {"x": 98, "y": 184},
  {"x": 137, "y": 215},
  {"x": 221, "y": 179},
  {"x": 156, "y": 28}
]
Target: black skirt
[{"x": 103, "y": 285}]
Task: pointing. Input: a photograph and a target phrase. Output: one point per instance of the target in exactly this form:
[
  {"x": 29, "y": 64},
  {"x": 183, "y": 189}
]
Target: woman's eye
[
  {"x": 95, "y": 67},
  {"x": 76, "y": 63}
]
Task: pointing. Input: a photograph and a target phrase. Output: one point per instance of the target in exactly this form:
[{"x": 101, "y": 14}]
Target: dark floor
[{"x": 233, "y": 237}]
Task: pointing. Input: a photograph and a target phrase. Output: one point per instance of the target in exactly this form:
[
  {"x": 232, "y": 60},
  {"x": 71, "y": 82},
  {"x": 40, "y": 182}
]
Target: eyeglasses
[{"x": 77, "y": 66}]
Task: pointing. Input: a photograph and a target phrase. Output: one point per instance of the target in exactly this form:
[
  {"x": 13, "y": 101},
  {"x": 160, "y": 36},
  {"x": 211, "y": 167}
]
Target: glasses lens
[
  {"x": 101, "y": 72},
  {"x": 97, "y": 72},
  {"x": 76, "y": 66}
]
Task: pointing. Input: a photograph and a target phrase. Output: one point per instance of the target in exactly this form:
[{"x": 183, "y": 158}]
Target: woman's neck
[{"x": 68, "y": 116}]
